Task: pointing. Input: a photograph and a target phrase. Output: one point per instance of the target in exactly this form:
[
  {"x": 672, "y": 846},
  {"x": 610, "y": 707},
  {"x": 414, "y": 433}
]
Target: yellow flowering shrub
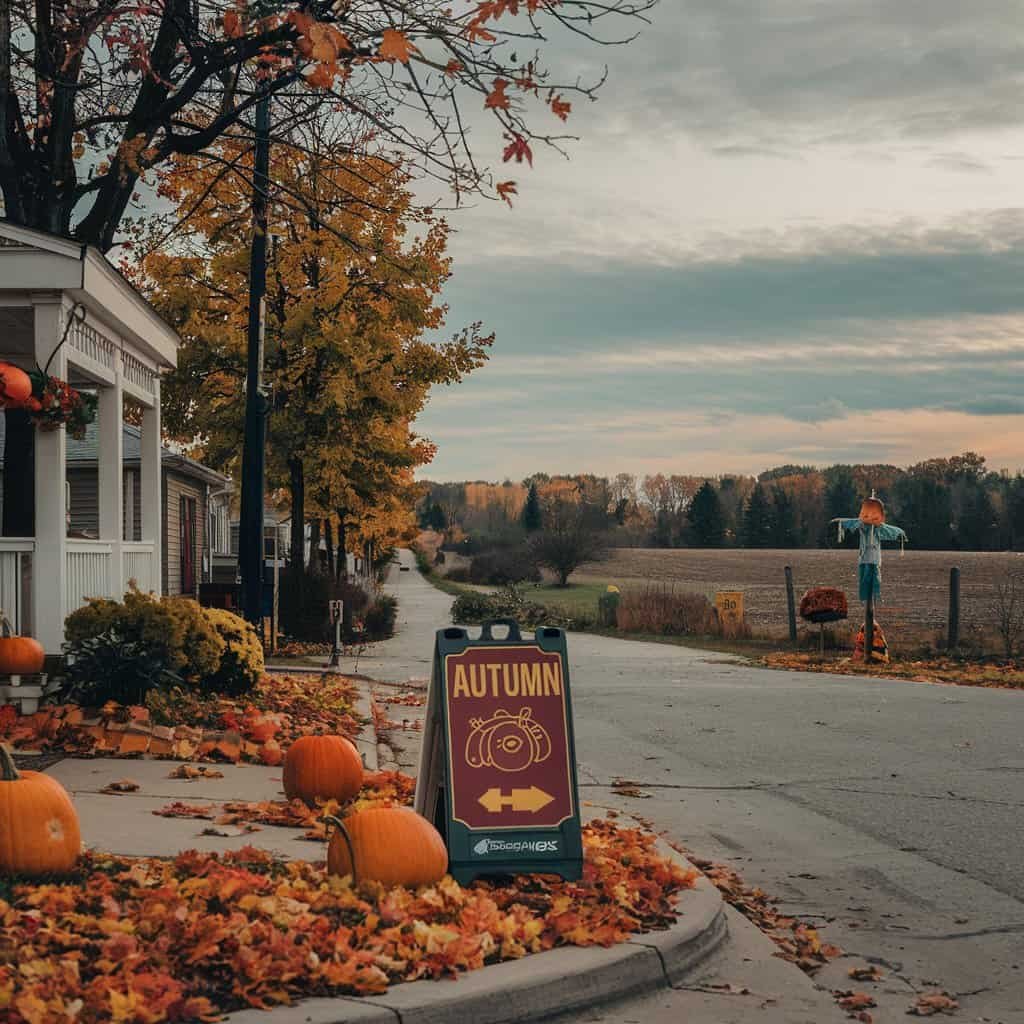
[
  {"x": 241, "y": 664},
  {"x": 171, "y": 629}
]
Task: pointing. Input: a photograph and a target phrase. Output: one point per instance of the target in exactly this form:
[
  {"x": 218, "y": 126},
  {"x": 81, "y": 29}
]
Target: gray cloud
[{"x": 750, "y": 71}]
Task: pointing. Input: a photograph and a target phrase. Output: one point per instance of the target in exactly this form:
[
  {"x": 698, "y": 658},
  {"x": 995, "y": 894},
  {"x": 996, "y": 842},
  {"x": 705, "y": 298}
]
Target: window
[{"x": 187, "y": 536}]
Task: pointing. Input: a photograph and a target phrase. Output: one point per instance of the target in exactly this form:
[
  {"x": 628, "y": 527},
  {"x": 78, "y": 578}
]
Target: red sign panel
[{"x": 508, "y": 755}]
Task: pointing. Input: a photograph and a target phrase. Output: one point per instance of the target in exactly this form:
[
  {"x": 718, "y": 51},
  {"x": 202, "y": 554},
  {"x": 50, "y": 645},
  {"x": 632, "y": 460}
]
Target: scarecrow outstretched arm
[
  {"x": 848, "y": 524},
  {"x": 889, "y": 532}
]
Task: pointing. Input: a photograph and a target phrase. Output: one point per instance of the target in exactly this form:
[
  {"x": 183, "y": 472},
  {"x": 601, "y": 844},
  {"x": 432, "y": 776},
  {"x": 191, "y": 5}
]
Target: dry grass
[{"x": 915, "y": 588}]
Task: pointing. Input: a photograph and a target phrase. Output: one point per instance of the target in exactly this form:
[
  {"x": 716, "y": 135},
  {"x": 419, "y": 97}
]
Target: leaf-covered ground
[
  {"x": 188, "y": 725},
  {"x": 380, "y": 789},
  {"x": 1005, "y": 675},
  {"x": 147, "y": 940}
]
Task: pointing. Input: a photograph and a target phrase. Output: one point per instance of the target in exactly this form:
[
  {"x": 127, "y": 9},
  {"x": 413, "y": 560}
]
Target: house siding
[
  {"x": 176, "y": 487},
  {"x": 83, "y": 485}
]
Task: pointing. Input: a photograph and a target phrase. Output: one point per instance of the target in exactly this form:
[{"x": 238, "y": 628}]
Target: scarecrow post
[
  {"x": 869, "y": 628},
  {"x": 870, "y": 524}
]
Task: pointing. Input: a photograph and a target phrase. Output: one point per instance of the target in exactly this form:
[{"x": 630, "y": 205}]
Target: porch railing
[
  {"x": 140, "y": 565},
  {"x": 16, "y": 581},
  {"x": 88, "y": 572}
]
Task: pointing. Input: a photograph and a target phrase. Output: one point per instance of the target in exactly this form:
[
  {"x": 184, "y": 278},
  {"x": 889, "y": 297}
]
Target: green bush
[
  {"x": 304, "y": 604},
  {"x": 504, "y": 565},
  {"x": 125, "y": 650},
  {"x": 379, "y": 618},
  {"x": 507, "y": 603}
]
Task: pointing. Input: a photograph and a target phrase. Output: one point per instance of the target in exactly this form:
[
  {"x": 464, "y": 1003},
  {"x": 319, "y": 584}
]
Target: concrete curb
[{"x": 537, "y": 987}]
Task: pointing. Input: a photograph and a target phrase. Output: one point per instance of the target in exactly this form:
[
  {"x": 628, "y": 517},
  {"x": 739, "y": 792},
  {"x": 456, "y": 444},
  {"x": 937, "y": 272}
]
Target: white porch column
[
  {"x": 111, "y": 478},
  {"x": 152, "y": 498},
  {"x": 49, "y": 561}
]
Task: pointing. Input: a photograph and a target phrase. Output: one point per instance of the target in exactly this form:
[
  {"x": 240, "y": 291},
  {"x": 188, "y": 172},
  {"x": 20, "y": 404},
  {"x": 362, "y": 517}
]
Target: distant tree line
[{"x": 943, "y": 504}]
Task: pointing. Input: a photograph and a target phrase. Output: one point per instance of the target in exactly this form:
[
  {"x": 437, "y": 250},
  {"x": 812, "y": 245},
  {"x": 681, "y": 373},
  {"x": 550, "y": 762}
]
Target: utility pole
[{"x": 250, "y": 547}]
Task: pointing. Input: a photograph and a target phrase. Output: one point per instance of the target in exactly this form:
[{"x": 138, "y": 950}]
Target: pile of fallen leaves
[
  {"x": 189, "y": 725},
  {"x": 798, "y": 941},
  {"x": 301, "y": 649},
  {"x": 380, "y": 789},
  {"x": 190, "y": 938},
  {"x": 1004, "y": 675}
]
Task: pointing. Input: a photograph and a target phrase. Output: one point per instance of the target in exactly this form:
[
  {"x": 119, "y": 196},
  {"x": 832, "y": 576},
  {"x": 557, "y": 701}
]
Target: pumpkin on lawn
[
  {"x": 15, "y": 385},
  {"x": 39, "y": 832},
  {"x": 328, "y": 767},
  {"x": 390, "y": 845},
  {"x": 19, "y": 655}
]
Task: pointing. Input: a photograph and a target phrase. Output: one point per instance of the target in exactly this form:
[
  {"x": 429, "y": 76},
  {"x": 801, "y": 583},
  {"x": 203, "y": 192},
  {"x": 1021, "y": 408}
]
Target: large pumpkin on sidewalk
[
  {"x": 39, "y": 832},
  {"x": 19, "y": 655},
  {"x": 390, "y": 845},
  {"x": 328, "y": 767}
]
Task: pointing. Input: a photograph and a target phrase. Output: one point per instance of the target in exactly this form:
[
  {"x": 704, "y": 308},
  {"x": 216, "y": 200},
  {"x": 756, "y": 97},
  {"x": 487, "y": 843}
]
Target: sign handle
[{"x": 513, "y": 629}]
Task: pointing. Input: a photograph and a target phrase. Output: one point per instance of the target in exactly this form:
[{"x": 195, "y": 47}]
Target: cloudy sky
[{"x": 793, "y": 232}]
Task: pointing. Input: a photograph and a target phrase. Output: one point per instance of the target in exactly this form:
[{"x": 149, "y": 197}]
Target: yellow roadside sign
[{"x": 729, "y": 605}]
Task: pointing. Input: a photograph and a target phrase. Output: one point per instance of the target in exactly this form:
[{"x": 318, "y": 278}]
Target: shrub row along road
[{"x": 889, "y": 813}]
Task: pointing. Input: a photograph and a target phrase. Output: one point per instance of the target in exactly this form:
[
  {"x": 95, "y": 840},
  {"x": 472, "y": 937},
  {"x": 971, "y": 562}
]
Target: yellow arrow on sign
[{"x": 532, "y": 800}]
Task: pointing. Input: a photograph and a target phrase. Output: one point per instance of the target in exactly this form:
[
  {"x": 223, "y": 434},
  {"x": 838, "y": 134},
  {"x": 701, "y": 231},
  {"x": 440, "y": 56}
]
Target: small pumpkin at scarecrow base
[
  {"x": 19, "y": 655},
  {"x": 389, "y": 845},
  {"x": 39, "y": 833},
  {"x": 324, "y": 767}
]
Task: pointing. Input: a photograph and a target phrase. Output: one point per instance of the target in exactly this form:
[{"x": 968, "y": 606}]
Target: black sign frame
[{"x": 476, "y": 852}]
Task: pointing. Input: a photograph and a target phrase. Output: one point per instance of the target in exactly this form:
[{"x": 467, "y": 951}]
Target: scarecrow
[{"x": 873, "y": 530}]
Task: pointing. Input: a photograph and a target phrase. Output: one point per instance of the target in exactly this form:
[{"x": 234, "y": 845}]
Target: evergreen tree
[
  {"x": 841, "y": 500},
  {"x": 924, "y": 508},
  {"x": 1015, "y": 512},
  {"x": 758, "y": 528},
  {"x": 785, "y": 533},
  {"x": 978, "y": 529},
  {"x": 532, "y": 515},
  {"x": 706, "y": 517},
  {"x": 436, "y": 519}
]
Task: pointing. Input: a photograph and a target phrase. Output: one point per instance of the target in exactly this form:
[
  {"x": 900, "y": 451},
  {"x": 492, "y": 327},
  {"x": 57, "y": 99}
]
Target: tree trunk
[
  {"x": 314, "y": 544},
  {"x": 297, "y": 480},
  {"x": 342, "y": 553},
  {"x": 329, "y": 541},
  {"x": 19, "y": 511}
]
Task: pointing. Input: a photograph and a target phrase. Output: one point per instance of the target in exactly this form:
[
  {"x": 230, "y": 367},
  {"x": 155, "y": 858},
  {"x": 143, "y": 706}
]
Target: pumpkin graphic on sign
[{"x": 506, "y": 741}]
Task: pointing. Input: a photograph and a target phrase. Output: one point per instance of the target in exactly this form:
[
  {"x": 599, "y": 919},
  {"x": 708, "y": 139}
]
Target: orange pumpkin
[
  {"x": 328, "y": 767},
  {"x": 390, "y": 845},
  {"x": 15, "y": 385},
  {"x": 19, "y": 655},
  {"x": 39, "y": 832},
  {"x": 872, "y": 511}
]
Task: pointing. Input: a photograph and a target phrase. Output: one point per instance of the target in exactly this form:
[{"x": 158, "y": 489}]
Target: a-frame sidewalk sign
[{"x": 498, "y": 762}]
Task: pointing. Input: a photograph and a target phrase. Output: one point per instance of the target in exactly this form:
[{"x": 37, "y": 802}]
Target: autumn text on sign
[{"x": 502, "y": 679}]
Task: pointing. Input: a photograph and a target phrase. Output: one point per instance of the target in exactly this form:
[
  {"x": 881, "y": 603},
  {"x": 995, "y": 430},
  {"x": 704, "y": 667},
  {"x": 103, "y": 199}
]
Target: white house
[{"x": 117, "y": 346}]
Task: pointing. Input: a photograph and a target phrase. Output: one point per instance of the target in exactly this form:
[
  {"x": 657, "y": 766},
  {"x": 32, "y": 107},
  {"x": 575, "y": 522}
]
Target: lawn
[{"x": 574, "y": 600}]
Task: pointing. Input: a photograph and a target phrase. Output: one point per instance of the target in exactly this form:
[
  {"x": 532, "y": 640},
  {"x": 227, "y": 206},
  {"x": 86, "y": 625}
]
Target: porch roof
[{"x": 34, "y": 261}]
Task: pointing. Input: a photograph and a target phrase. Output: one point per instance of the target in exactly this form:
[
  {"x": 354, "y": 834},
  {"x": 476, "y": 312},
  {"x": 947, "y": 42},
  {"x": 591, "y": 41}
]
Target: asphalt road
[{"x": 890, "y": 813}]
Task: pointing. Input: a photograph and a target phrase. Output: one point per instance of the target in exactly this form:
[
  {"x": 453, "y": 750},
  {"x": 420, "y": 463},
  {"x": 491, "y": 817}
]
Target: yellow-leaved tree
[{"x": 353, "y": 311}]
